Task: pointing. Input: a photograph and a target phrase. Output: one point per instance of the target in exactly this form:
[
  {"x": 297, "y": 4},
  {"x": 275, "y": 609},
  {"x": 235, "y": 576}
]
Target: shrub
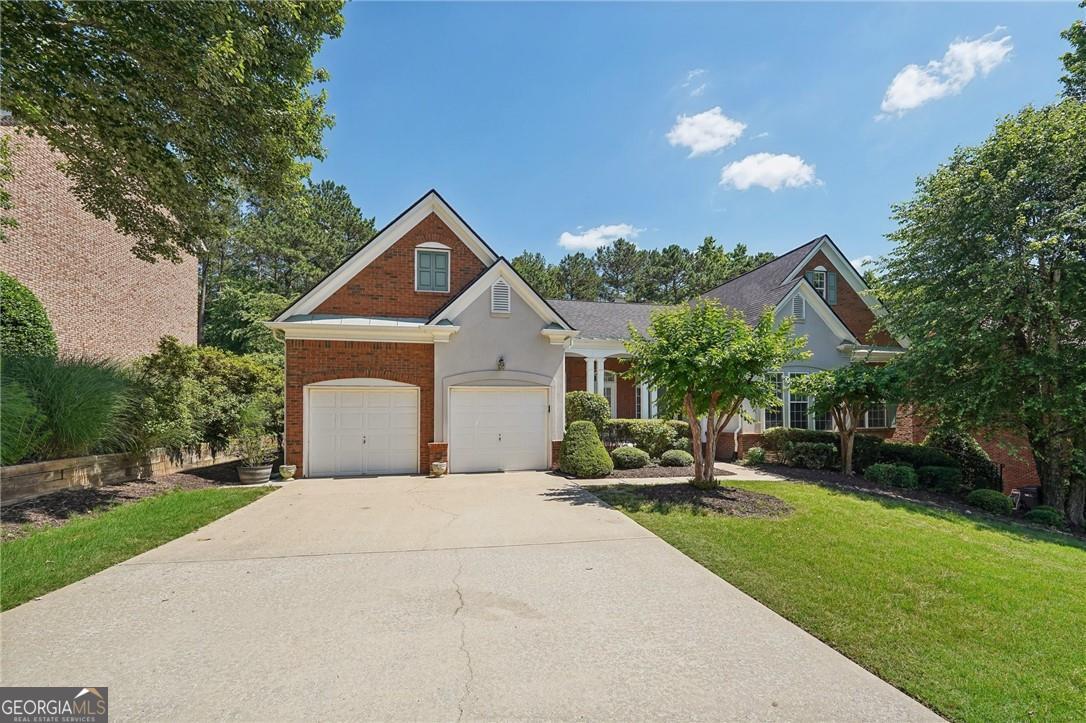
[
  {"x": 914, "y": 455},
  {"x": 683, "y": 443},
  {"x": 629, "y": 457},
  {"x": 944, "y": 479},
  {"x": 582, "y": 454},
  {"x": 587, "y": 406},
  {"x": 654, "y": 436},
  {"x": 24, "y": 326},
  {"x": 992, "y": 501},
  {"x": 1045, "y": 515},
  {"x": 865, "y": 451},
  {"x": 776, "y": 439},
  {"x": 978, "y": 469},
  {"x": 809, "y": 455},
  {"x": 676, "y": 458},
  {"x": 21, "y": 424},
  {"x": 895, "y": 475},
  {"x": 249, "y": 444},
  {"x": 83, "y": 403},
  {"x": 755, "y": 455}
]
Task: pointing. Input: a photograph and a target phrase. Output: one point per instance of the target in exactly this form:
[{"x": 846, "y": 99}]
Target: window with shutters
[
  {"x": 798, "y": 308},
  {"x": 499, "y": 297},
  {"x": 818, "y": 281},
  {"x": 825, "y": 283},
  {"x": 431, "y": 270}
]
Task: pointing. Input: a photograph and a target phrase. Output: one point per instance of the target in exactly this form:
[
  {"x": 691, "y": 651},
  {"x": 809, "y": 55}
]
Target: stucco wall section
[
  {"x": 310, "y": 361},
  {"x": 102, "y": 300},
  {"x": 386, "y": 287}
]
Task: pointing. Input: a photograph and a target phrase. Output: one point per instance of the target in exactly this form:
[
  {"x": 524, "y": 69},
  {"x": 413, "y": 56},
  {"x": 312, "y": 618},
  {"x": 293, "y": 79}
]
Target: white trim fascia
[
  {"x": 819, "y": 306},
  {"x": 559, "y": 337},
  {"x": 869, "y": 353},
  {"x": 504, "y": 271},
  {"x": 430, "y": 203},
  {"x": 420, "y": 334},
  {"x": 597, "y": 347}
]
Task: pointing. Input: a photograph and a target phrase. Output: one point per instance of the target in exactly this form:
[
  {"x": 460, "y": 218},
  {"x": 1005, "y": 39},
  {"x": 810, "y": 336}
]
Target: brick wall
[
  {"x": 576, "y": 373},
  {"x": 854, "y": 311},
  {"x": 386, "y": 287},
  {"x": 310, "y": 361},
  {"x": 101, "y": 299}
]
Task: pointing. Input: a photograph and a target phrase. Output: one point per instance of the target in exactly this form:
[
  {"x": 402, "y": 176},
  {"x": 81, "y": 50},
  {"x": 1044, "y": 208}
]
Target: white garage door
[
  {"x": 362, "y": 431},
  {"x": 497, "y": 429}
]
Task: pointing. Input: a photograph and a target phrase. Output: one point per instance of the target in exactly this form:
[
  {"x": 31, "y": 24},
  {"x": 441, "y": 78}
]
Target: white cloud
[
  {"x": 859, "y": 263},
  {"x": 593, "y": 238},
  {"x": 705, "y": 132},
  {"x": 914, "y": 86},
  {"x": 695, "y": 92},
  {"x": 694, "y": 82},
  {"x": 769, "y": 170}
]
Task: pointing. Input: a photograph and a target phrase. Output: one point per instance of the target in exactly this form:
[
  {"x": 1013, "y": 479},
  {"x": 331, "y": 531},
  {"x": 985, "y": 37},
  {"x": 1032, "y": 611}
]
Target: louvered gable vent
[
  {"x": 797, "y": 307},
  {"x": 499, "y": 297}
]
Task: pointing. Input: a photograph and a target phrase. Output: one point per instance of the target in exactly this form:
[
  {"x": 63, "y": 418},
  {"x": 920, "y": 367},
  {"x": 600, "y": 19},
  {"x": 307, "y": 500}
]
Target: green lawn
[
  {"x": 58, "y": 556},
  {"x": 981, "y": 621}
]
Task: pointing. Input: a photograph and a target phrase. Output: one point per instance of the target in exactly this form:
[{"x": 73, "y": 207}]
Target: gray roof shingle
[{"x": 604, "y": 319}]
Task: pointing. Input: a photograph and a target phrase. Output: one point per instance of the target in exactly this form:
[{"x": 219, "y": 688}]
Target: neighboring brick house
[
  {"x": 426, "y": 346},
  {"x": 101, "y": 299}
]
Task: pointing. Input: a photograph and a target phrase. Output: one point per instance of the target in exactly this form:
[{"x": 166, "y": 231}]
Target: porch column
[
  {"x": 590, "y": 374},
  {"x": 652, "y": 403},
  {"x": 646, "y": 413},
  {"x": 599, "y": 377}
]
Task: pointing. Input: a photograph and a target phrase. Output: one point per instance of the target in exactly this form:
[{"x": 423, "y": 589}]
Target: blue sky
[{"x": 574, "y": 122}]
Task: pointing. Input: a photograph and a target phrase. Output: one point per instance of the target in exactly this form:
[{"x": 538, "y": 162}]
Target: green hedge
[
  {"x": 990, "y": 501},
  {"x": 895, "y": 475},
  {"x": 583, "y": 454},
  {"x": 581, "y": 406},
  {"x": 810, "y": 455},
  {"x": 865, "y": 447},
  {"x": 676, "y": 458},
  {"x": 944, "y": 479},
  {"x": 655, "y": 436},
  {"x": 1045, "y": 515},
  {"x": 629, "y": 458},
  {"x": 978, "y": 469},
  {"x": 914, "y": 455},
  {"x": 24, "y": 326}
]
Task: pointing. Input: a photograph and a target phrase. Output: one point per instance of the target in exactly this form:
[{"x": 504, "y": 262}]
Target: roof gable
[
  {"x": 430, "y": 203},
  {"x": 500, "y": 269}
]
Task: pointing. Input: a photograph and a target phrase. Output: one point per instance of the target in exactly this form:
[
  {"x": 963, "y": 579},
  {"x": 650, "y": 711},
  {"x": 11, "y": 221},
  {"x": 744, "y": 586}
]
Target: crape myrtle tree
[
  {"x": 712, "y": 360},
  {"x": 988, "y": 284},
  {"x": 160, "y": 109},
  {"x": 845, "y": 393}
]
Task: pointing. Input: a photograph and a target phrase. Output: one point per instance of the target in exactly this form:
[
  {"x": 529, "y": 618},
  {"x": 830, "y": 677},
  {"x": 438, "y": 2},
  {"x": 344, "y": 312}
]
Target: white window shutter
[
  {"x": 797, "y": 307},
  {"x": 499, "y": 297}
]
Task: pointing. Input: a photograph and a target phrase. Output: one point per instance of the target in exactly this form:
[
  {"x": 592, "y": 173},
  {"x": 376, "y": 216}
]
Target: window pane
[
  {"x": 876, "y": 416},
  {"x": 823, "y": 422},
  {"x": 797, "y": 413},
  {"x": 775, "y": 417}
]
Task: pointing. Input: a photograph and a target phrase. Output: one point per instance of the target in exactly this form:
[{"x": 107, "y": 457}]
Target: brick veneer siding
[
  {"x": 1009, "y": 450},
  {"x": 576, "y": 373},
  {"x": 725, "y": 445},
  {"x": 102, "y": 300},
  {"x": 310, "y": 361},
  {"x": 386, "y": 287},
  {"x": 853, "y": 311}
]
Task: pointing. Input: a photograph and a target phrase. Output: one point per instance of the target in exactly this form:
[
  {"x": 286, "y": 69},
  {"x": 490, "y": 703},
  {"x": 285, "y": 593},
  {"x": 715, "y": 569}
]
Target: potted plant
[{"x": 251, "y": 447}]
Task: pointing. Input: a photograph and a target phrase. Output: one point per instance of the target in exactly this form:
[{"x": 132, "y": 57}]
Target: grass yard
[
  {"x": 981, "y": 621},
  {"x": 54, "y": 557}
]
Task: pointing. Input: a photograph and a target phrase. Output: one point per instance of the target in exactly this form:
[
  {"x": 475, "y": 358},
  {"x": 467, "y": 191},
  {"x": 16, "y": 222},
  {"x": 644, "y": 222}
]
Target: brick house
[
  {"x": 101, "y": 300},
  {"x": 426, "y": 346}
]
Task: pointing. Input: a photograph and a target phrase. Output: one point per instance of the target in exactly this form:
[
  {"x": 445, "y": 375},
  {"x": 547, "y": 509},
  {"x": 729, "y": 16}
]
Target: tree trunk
[
  {"x": 695, "y": 435},
  {"x": 709, "y": 464},
  {"x": 1052, "y": 470}
]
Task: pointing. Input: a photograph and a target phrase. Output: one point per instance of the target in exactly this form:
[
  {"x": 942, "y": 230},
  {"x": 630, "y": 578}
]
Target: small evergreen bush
[
  {"x": 978, "y": 469},
  {"x": 944, "y": 479},
  {"x": 992, "y": 501},
  {"x": 655, "y": 436},
  {"x": 809, "y": 455},
  {"x": 895, "y": 475},
  {"x": 1045, "y": 515},
  {"x": 583, "y": 454},
  {"x": 676, "y": 458},
  {"x": 588, "y": 406},
  {"x": 755, "y": 455},
  {"x": 914, "y": 455},
  {"x": 629, "y": 458},
  {"x": 25, "y": 329}
]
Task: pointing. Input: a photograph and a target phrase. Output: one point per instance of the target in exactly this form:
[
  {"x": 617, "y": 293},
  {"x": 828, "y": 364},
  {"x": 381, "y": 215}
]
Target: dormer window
[
  {"x": 432, "y": 270},
  {"x": 499, "y": 298},
  {"x": 818, "y": 281},
  {"x": 824, "y": 282}
]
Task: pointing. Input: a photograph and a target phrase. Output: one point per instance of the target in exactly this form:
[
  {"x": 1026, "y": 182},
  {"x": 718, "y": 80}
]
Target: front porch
[{"x": 600, "y": 371}]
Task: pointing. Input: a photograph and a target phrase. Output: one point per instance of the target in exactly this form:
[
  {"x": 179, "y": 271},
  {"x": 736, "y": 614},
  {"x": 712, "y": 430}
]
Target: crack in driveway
[{"x": 463, "y": 642}]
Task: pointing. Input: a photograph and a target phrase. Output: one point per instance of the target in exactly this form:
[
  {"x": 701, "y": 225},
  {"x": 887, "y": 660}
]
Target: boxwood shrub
[
  {"x": 25, "y": 329},
  {"x": 992, "y": 501},
  {"x": 944, "y": 479},
  {"x": 775, "y": 440},
  {"x": 978, "y": 469},
  {"x": 914, "y": 455},
  {"x": 582, "y": 454},
  {"x": 895, "y": 475},
  {"x": 1045, "y": 515},
  {"x": 629, "y": 457},
  {"x": 655, "y": 436},
  {"x": 676, "y": 458},
  {"x": 809, "y": 455},
  {"x": 587, "y": 406},
  {"x": 755, "y": 455}
]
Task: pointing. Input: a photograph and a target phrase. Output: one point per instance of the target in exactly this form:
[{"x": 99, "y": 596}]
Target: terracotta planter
[
  {"x": 286, "y": 471},
  {"x": 254, "y": 475}
]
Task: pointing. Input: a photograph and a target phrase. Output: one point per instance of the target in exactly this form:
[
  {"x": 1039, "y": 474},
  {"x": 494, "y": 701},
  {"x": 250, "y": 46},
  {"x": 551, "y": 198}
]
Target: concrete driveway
[{"x": 497, "y": 597}]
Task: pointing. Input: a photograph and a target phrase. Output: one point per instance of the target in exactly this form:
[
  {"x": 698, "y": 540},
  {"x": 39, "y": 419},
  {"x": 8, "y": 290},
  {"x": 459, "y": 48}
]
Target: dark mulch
[
  {"x": 657, "y": 471},
  {"x": 55, "y": 509},
  {"x": 720, "y": 500},
  {"x": 835, "y": 480}
]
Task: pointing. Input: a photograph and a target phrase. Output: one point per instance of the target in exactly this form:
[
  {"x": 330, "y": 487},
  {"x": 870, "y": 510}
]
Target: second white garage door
[{"x": 498, "y": 429}]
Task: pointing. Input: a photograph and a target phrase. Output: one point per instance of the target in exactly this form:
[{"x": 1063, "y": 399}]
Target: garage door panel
[
  {"x": 362, "y": 431},
  {"x": 498, "y": 429}
]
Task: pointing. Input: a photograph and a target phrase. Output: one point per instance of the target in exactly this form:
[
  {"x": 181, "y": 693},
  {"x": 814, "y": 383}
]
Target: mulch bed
[
  {"x": 835, "y": 480},
  {"x": 55, "y": 509},
  {"x": 658, "y": 471},
  {"x": 721, "y": 500}
]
